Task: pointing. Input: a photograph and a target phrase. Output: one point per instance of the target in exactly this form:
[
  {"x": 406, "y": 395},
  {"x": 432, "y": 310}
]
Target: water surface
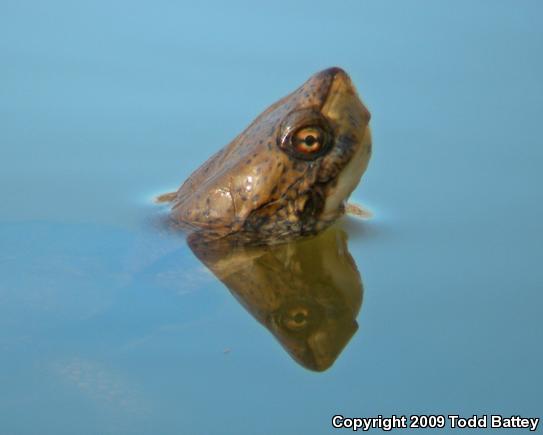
[{"x": 109, "y": 324}]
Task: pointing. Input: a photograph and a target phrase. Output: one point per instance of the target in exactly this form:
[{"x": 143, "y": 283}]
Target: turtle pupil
[
  {"x": 299, "y": 317},
  {"x": 310, "y": 140}
]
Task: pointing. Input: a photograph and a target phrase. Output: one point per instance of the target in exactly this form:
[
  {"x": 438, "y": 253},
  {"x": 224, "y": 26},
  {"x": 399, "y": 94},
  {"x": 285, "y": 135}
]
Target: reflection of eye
[
  {"x": 296, "y": 318},
  {"x": 308, "y": 140}
]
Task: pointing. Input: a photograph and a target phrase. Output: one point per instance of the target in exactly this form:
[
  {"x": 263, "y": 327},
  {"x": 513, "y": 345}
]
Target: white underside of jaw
[{"x": 348, "y": 179}]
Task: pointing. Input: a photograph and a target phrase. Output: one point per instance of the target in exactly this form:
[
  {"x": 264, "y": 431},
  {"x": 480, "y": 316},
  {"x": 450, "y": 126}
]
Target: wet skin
[{"x": 288, "y": 174}]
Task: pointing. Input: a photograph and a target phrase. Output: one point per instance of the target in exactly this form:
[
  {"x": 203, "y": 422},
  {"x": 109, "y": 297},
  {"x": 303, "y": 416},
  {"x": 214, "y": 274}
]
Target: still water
[{"x": 109, "y": 323}]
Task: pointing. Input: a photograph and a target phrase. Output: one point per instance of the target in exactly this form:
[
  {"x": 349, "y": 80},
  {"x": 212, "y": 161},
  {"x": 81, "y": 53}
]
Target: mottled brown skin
[
  {"x": 307, "y": 293},
  {"x": 258, "y": 190}
]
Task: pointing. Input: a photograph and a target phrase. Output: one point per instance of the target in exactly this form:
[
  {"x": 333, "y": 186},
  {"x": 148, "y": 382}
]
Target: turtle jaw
[{"x": 350, "y": 118}]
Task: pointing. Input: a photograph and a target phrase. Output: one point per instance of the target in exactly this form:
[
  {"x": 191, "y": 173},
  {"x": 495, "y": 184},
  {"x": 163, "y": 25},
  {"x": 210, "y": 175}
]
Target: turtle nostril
[{"x": 333, "y": 71}]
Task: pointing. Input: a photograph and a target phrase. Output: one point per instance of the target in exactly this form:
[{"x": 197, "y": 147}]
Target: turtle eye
[
  {"x": 305, "y": 134},
  {"x": 308, "y": 140},
  {"x": 296, "y": 319}
]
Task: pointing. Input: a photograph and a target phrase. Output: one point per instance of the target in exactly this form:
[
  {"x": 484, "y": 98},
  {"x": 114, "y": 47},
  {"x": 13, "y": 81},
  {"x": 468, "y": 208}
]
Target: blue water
[{"x": 110, "y": 325}]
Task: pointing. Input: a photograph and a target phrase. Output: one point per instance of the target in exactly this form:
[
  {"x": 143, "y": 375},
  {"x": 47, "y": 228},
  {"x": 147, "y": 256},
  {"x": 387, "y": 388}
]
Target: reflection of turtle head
[{"x": 307, "y": 293}]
